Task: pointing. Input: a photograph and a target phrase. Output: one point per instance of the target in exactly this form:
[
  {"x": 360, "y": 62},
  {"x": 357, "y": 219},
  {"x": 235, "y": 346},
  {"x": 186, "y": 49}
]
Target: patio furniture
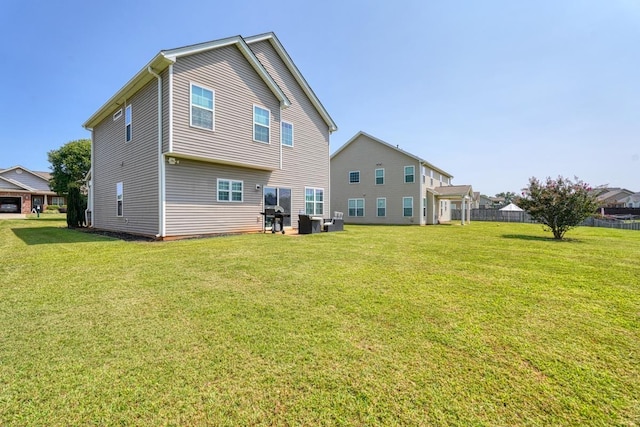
[
  {"x": 335, "y": 224},
  {"x": 308, "y": 224}
]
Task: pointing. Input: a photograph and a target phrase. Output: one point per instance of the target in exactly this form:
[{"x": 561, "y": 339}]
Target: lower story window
[
  {"x": 313, "y": 200},
  {"x": 407, "y": 206},
  {"x": 119, "y": 199},
  {"x": 382, "y": 206},
  {"x": 356, "y": 207},
  {"x": 229, "y": 190},
  {"x": 57, "y": 201}
]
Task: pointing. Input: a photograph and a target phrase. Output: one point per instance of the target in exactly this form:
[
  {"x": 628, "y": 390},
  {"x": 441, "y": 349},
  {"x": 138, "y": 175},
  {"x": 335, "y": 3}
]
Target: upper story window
[
  {"x": 314, "y": 200},
  {"x": 202, "y": 107},
  {"x": 117, "y": 115},
  {"x": 127, "y": 123},
  {"x": 119, "y": 199},
  {"x": 379, "y": 176},
  {"x": 354, "y": 177},
  {"x": 286, "y": 134},
  {"x": 409, "y": 174},
  {"x": 229, "y": 190},
  {"x": 261, "y": 124}
]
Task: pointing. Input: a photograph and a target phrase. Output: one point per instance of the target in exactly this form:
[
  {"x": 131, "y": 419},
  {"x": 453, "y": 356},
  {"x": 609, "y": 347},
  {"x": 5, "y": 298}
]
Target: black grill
[{"x": 277, "y": 215}]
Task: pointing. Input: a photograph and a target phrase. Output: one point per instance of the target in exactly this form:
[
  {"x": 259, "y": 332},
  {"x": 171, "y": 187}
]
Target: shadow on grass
[
  {"x": 539, "y": 238},
  {"x": 51, "y": 235}
]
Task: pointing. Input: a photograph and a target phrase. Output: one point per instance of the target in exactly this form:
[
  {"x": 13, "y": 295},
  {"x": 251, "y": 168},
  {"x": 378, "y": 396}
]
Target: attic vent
[
  {"x": 18, "y": 171},
  {"x": 117, "y": 115}
]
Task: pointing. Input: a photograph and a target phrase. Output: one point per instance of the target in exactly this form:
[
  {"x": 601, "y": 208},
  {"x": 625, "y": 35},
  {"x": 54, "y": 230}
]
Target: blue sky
[{"x": 491, "y": 91}]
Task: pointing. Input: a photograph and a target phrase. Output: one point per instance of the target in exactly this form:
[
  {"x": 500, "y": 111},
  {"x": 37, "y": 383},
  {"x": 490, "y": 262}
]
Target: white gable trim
[
  {"x": 373, "y": 138},
  {"x": 167, "y": 57},
  {"x": 280, "y": 50}
]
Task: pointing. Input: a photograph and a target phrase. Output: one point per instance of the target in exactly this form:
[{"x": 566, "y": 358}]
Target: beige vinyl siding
[
  {"x": 133, "y": 163},
  {"x": 165, "y": 110},
  {"x": 191, "y": 199},
  {"x": 306, "y": 164},
  {"x": 237, "y": 88},
  {"x": 366, "y": 155}
]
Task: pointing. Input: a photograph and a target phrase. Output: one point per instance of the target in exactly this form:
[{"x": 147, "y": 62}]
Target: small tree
[
  {"x": 508, "y": 196},
  {"x": 559, "y": 204},
  {"x": 70, "y": 164}
]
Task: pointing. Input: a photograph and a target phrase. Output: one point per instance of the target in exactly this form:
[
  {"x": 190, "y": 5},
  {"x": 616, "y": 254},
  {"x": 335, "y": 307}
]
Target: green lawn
[{"x": 487, "y": 324}]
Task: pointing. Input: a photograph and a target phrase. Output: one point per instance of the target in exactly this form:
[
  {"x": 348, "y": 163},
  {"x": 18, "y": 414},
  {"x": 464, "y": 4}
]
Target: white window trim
[
  {"x": 349, "y": 177},
  {"x": 363, "y": 207},
  {"x": 260, "y": 124},
  {"x": 128, "y": 110},
  {"x": 403, "y": 207},
  {"x": 378, "y": 207},
  {"x": 282, "y": 134},
  {"x": 231, "y": 191},
  {"x": 375, "y": 177},
  {"x": 120, "y": 185},
  {"x": 117, "y": 115},
  {"x": 213, "y": 110},
  {"x": 315, "y": 202},
  {"x": 413, "y": 174}
]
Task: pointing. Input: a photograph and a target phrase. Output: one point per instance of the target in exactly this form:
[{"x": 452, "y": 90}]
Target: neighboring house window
[
  {"x": 382, "y": 206},
  {"x": 356, "y": 207},
  {"x": 354, "y": 177},
  {"x": 57, "y": 201},
  {"x": 407, "y": 206},
  {"x": 229, "y": 190},
  {"x": 127, "y": 123},
  {"x": 202, "y": 107},
  {"x": 286, "y": 134},
  {"x": 379, "y": 176},
  {"x": 261, "y": 124},
  {"x": 119, "y": 199},
  {"x": 409, "y": 174},
  {"x": 314, "y": 200}
]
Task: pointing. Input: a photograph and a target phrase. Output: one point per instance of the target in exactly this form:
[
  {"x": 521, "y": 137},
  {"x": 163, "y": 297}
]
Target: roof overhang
[
  {"x": 413, "y": 156},
  {"x": 246, "y": 165},
  {"x": 280, "y": 50},
  {"x": 167, "y": 57}
]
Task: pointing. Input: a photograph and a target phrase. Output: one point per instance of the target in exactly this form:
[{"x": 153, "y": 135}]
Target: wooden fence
[{"x": 505, "y": 216}]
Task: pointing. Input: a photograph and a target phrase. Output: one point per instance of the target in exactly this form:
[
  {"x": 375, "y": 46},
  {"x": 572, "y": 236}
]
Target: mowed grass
[{"x": 487, "y": 324}]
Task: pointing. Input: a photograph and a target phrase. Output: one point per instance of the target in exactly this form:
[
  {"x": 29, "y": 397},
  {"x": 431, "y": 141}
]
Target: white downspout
[
  {"x": 90, "y": 198},
  {"x": 161, "y": 171},
  {"x": 170, "y": 94}
]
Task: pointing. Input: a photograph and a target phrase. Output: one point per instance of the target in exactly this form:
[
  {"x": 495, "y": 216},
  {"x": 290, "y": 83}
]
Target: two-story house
[
  {"x": 204, "y": 137},
  {"x": 23, "y": 191},
  {"x": 374, "y": 182}
]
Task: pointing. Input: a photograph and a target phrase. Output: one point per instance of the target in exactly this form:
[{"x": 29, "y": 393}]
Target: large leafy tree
[
  {"x": 70, "y": 164},
  {"x": 558, "y": 204}
]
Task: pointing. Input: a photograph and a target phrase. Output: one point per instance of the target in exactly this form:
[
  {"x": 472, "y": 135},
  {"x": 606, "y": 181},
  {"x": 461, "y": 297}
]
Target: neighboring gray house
[
  {"x": 374, "y": 182},
  {"x": 632, "y": 201},
  {"x": 23, "y": 190},
  {"x": 613, "y": 197},
  {"x": 205, "y": 136}
]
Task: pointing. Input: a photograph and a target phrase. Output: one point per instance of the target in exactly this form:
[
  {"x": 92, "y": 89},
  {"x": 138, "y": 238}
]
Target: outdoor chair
[{"x": 335, "y": 224}]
